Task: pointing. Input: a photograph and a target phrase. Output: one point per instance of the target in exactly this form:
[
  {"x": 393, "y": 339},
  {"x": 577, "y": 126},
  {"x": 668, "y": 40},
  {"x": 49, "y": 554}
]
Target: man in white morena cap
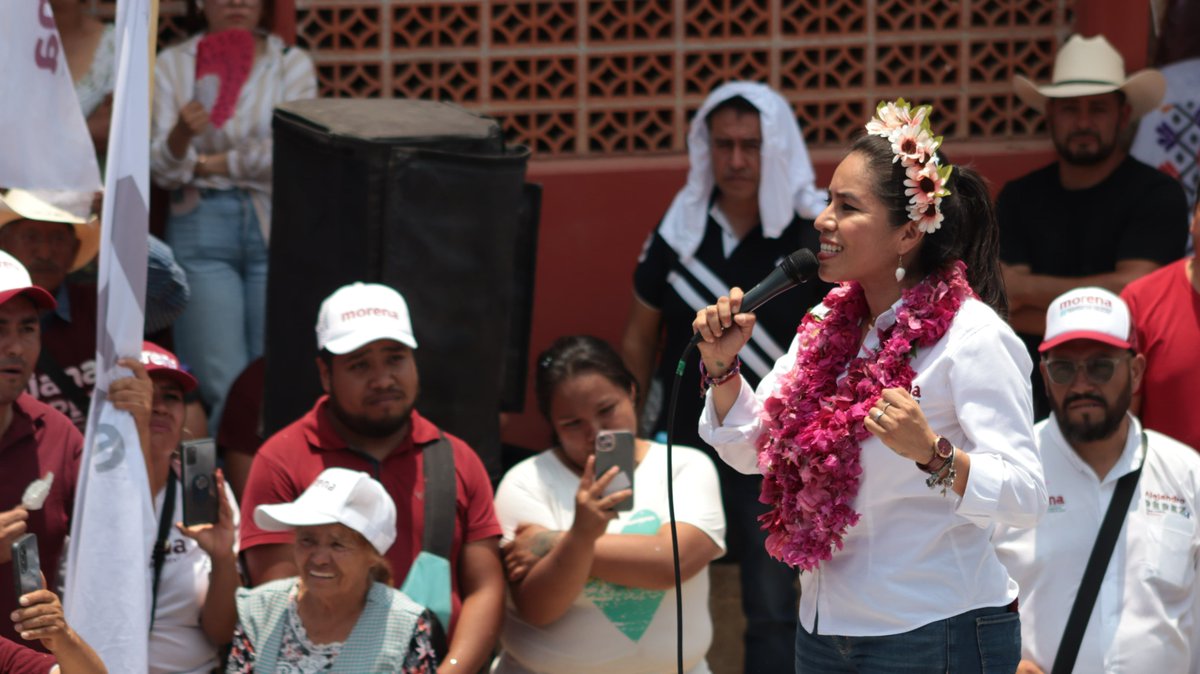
[
  {"x": 1144, "y": 617},
  {"x": 367, "y": 421},
  {"x": 1096, "y": 216},
  {"x": 749, "y": 201}
]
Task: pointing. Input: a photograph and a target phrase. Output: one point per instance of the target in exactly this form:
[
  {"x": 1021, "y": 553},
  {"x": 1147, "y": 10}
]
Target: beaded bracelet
[
  {"x": 706, "y": 381},
  {"x": 945, "y": 476}
]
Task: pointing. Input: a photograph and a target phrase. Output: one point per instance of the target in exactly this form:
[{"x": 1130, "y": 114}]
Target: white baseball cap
[
  {"x": 14, "y": 280},
  {"x": 338, "y": 496},
  {"x": 360, "y": 313},
  {"x": 1088, "y": 313}
]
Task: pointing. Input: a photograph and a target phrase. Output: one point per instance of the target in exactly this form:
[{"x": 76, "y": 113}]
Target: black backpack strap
[
  {"x": 441, "y": 491},
  {"x": 160, "y": 545},
  {"x": 1093, "y": 575}
]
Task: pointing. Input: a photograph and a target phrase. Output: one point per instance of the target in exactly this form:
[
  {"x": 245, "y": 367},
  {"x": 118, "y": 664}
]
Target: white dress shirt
[
  {"x": 280, "y": 74},
  {"x": 1145, "y": 617},
  {"x": 917, "y": 556}
]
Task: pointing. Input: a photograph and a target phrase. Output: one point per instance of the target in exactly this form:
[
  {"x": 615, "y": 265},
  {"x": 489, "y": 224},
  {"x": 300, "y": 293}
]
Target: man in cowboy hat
[
  {"x": 52, "y": 233},
  {"x": 1096, "y": 216},
  {"x": 749, "y": 201}
]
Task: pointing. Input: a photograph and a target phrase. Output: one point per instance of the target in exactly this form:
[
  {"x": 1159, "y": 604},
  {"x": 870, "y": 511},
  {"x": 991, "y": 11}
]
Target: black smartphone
[
  {"x": 27, "y": 567},
  {"x": 198, "y": 460},
  {"x": 615, "y": 448}
]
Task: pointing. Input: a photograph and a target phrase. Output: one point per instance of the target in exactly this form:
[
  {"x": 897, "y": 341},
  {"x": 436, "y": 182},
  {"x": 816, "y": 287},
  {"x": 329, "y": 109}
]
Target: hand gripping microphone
[{"x": 797, "y": 268}]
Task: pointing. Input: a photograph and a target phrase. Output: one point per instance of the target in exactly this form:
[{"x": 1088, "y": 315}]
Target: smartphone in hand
[
  {"x": 27, "y": 567},
  {"x": 615, "y": 448},
  {"x": 198, "y": 459}
]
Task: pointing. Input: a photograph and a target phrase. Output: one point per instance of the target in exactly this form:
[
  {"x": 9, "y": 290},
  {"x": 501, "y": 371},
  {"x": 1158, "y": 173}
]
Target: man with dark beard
[
  {"x": 1096, "y": 216},
  {"x": 367, "y": 422},
  {"x": 1144, "y": 619}
]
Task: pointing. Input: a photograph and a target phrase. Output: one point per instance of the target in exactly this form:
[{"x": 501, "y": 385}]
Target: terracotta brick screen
[{"x": 592, "y": 78}]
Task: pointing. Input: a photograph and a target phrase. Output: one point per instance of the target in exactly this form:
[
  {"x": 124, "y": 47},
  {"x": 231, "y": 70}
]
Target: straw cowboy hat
[
  {"x": 1086, "y": 66},
  {"x": 55, "y": 206}
]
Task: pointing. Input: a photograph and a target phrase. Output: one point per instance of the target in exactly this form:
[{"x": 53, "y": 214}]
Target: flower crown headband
[{"x": 915, "y": 148}]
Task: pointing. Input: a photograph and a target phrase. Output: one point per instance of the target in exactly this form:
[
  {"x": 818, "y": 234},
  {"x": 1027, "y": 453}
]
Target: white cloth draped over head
[{"x": 787, "y": 182}]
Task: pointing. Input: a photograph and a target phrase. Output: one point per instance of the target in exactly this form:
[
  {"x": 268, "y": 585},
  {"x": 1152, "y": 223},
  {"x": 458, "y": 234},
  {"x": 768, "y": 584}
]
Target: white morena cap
[
  {"x": 14, "y": 281},
  {"x": 1088, "y": 313},
  {"x": 360, "y": 313},
  {"x": 338, "y": 496}
]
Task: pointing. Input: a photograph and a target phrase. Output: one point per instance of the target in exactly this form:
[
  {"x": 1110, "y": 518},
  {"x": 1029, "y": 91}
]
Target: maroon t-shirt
[
  {"x": 39, "y": 440},
  {"x": 72, "y": 345},
  {"x": 292, "y": 458},
  {"x": 15, "y": 659},
  {"x": 241, "y": 421}
]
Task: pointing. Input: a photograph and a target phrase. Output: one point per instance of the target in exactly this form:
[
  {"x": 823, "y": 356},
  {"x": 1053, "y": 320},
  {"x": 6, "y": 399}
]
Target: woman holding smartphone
[
  {"x": 592, "y": 587},
  {"x": 196, "y": 576}
]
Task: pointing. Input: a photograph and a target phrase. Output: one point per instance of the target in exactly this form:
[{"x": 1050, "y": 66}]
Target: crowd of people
[{"x": 907, "y": 457}]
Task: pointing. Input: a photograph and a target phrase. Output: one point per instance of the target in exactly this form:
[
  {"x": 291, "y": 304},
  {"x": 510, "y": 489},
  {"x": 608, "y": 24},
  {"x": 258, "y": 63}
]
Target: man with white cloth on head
[
  {"x": 1144, "y": 618},
  {"x": 749, "y": 202}
]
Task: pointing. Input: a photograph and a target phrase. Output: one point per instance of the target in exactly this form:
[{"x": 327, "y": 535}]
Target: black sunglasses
[{"x": 1099, "y": 370}]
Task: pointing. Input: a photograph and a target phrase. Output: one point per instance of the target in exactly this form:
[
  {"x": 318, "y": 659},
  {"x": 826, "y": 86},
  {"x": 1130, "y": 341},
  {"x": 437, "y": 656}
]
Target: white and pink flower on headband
[{"x": 915, "y": 147}]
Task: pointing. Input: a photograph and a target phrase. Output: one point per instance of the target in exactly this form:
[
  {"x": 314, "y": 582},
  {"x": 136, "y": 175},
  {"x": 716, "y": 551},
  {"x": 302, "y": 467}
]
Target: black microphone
[{"x": 797, "y": 268}]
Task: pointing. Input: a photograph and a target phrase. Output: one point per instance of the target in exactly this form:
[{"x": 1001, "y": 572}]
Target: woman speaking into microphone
[{"x": 897, "y": 429}]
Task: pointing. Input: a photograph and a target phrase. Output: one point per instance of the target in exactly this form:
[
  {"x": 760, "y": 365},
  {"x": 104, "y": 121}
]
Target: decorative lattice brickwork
[{"x": 591, "y": 78}]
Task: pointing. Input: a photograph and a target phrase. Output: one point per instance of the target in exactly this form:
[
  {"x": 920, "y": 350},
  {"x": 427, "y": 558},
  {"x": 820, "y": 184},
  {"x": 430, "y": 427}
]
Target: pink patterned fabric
[{"x": 809, "y": 451}]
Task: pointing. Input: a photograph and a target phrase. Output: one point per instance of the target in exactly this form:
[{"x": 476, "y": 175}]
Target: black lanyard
[{"x": 160, "y": 545}]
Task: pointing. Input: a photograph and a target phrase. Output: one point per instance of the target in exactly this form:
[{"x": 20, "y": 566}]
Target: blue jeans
[
  {"x": 219, "y": 244},
  {"x": 986, "y": 640}
]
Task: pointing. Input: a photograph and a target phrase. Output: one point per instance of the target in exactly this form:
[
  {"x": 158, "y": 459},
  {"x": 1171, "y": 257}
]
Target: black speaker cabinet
[{"x": 424, "y": 197}]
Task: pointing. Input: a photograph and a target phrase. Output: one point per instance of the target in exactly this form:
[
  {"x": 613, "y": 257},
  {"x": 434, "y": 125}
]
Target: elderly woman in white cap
[{"x": 339, "y": 614}]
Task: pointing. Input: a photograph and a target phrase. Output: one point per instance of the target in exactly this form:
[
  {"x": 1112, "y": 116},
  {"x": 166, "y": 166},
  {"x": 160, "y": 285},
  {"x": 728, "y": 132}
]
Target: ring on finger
[
  {"x": 877, "y": 416},
  {"x": 886, "y": 405}
]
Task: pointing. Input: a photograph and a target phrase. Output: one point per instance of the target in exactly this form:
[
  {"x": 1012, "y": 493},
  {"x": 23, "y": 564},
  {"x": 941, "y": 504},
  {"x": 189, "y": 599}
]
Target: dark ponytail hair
[
  {"x": 575, "y": 355},
  {"x": 969, "y": 230}
]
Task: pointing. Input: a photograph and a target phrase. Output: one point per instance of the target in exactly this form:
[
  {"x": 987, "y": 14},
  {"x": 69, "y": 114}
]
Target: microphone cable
[
  {"x": 671, "y": 503},
  {"x": 797, "y": 268}
]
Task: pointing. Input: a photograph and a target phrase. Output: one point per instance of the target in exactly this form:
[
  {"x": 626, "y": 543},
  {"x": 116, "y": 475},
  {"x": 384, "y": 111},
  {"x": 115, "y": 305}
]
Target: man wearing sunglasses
[{"x": 1144, "y": 618}]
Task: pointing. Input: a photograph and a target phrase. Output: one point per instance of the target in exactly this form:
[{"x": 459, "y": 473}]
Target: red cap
[{"x": 159, "y": 361}]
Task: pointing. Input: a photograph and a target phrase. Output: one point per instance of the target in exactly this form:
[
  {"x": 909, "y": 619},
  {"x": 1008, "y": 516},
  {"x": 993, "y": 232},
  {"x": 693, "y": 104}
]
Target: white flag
[
  {"x": 113, "y": 527},
  {"x": 42, "y": 130}
]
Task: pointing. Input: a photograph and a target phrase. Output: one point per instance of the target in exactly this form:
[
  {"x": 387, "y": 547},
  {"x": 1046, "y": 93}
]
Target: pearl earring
[{"x": 900, "y": 270}]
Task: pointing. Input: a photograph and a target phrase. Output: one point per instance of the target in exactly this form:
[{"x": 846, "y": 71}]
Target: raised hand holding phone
[{"x": 593, "y": 509}]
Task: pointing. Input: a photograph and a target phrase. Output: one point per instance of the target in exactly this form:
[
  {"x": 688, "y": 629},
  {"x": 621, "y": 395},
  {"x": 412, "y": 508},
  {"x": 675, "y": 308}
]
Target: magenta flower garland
[{"x": 809, "y": 450}]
